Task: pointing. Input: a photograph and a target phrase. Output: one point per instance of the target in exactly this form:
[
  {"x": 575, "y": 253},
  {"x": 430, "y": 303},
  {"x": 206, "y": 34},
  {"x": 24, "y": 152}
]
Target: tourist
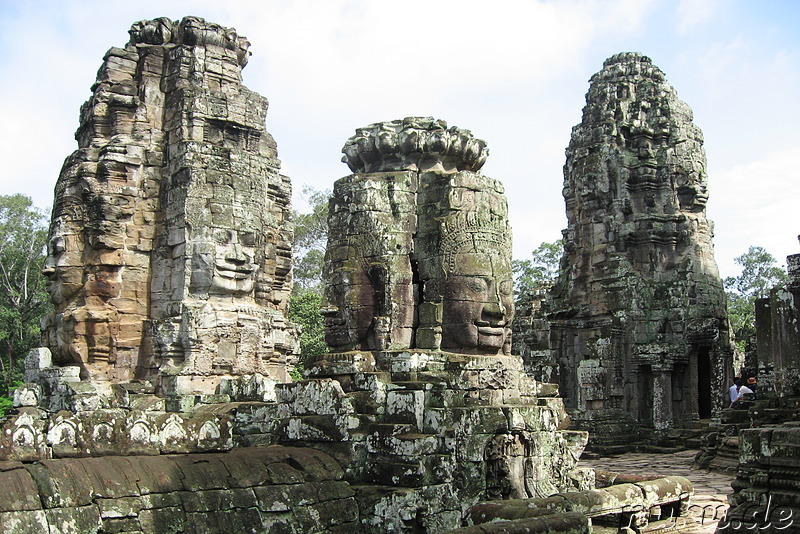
[
  {"x": 743, "y": 390},
  {"x": 734, "y": 389}
]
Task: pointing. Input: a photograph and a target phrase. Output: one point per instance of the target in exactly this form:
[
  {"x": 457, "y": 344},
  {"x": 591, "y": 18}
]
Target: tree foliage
[
  {"x": 759, "y": 275},
  {"x": 304, "y": 309},
  {"x": 539, "y": 271},
  {"x": 23, "y": 295},
  {"x": 310, "y": 237}
]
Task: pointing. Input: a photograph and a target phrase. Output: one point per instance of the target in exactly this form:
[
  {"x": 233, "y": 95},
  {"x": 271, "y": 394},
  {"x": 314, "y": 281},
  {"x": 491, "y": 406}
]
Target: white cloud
[
  {"x": 693, "y": 13},
  {"x": 756, "y": 204}
]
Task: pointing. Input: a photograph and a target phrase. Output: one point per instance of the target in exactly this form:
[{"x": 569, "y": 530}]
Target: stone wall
[
  {"x": 531, "y": 338},
  {"x": 638, "y": 325},
  {"x": 434, "y": 432},
  {"x": 777, "y": 361},
  {"x": 264, "y": 489},
  {"x": 766, "y": 494}
]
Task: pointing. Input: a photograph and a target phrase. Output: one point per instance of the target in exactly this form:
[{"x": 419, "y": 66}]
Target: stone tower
[
  {"x": 170, "y": 246},
  {"x": 639, "y": 329},
  {"x": 418, "y": 313}
]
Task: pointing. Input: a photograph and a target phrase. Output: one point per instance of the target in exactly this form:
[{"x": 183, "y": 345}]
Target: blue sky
[{"x": 514, "y": 72}]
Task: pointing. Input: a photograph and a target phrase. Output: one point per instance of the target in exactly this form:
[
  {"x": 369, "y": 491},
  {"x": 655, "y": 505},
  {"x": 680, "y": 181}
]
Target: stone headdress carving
[
  {"x": 190, "y": 31},
  {"x": 414, "y": 143},
  {"x": 473, "y": 233}
]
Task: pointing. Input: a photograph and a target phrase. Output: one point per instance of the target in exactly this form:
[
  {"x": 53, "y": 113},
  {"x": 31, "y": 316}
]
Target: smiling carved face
[
  {"x": 478, "y": 309},
  {"x": 224, "y": 262},
  {"x": 349, "y": 307},
  {"x": 63, "y": 270}
]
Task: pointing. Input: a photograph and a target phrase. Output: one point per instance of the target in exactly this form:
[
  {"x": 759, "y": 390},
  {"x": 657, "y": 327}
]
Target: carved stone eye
[
  {"x": 222, "y": 237},
  {"x": 58, "y": 245},
  {"x": 247, "y": 239},
  {"x": 477, "y": 285}
]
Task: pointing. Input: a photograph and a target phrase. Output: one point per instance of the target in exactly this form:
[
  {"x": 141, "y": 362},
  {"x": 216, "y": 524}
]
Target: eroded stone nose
[
  {"x": 493, "y": 310},
  {"x": 236, "y": 255}
]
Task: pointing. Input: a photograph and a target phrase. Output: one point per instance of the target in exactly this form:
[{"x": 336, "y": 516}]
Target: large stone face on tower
[
  {"x": 638, "y": 321},
  {"x": 419, "y": 251},
  {"x": 418, "y": 314},
  {"x": 170, "y": 246}
]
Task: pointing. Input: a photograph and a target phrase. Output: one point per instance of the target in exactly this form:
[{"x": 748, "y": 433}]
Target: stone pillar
[{"x": 662, "y": 397}]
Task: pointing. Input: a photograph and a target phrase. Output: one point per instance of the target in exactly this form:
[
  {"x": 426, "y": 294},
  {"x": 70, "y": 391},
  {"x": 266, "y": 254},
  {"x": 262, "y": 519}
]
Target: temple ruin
[
  {"x": 757, "y": 438},
  {"x": 162, "y": 400},
  {"x": 418, "y": 309},
  {"x": 638, "y": 324},
  {"x": 170, "y": 246}
]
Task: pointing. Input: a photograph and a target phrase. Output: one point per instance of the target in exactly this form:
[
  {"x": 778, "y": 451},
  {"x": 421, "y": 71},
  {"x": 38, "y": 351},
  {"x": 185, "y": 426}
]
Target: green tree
[
  {"x": 759, "y": 275},
  {"x": 310, "y": 237},
  {"x": 304, "y": 309},
  {"x": 23, "y": 295},
  {"x": 539, "y": 271}
]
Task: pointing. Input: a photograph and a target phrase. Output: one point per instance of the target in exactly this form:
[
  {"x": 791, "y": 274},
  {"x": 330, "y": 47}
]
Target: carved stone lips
[
  {"x": 237, "y": 273},
  {"x": 486, "y": 328}
]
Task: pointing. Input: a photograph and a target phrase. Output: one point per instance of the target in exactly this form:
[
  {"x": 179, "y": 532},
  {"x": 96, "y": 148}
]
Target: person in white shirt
[
  {"x": 734, "y": 389},
  {"x": 743, "y": 390}
]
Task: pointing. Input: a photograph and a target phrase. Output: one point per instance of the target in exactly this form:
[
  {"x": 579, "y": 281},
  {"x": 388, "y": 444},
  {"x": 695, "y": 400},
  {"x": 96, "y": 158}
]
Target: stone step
[
  {"x": 400, "y": 442},
  {"x": 611, "y": 450}
]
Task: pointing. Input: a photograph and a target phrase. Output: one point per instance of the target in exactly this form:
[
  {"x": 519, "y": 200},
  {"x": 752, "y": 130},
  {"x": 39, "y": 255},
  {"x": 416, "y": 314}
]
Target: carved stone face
[
  {"x": 349, "y": 309},
  {"x": 641, "y": 154},
  {"x": 63, "y": 280},
  {"x": 477, "y": 309},
  {"x": 224, "y": 262}
]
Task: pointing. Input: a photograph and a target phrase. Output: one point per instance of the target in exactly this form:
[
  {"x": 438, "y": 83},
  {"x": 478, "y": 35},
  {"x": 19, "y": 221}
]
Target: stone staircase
[{"x": 423, "y": 435}]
